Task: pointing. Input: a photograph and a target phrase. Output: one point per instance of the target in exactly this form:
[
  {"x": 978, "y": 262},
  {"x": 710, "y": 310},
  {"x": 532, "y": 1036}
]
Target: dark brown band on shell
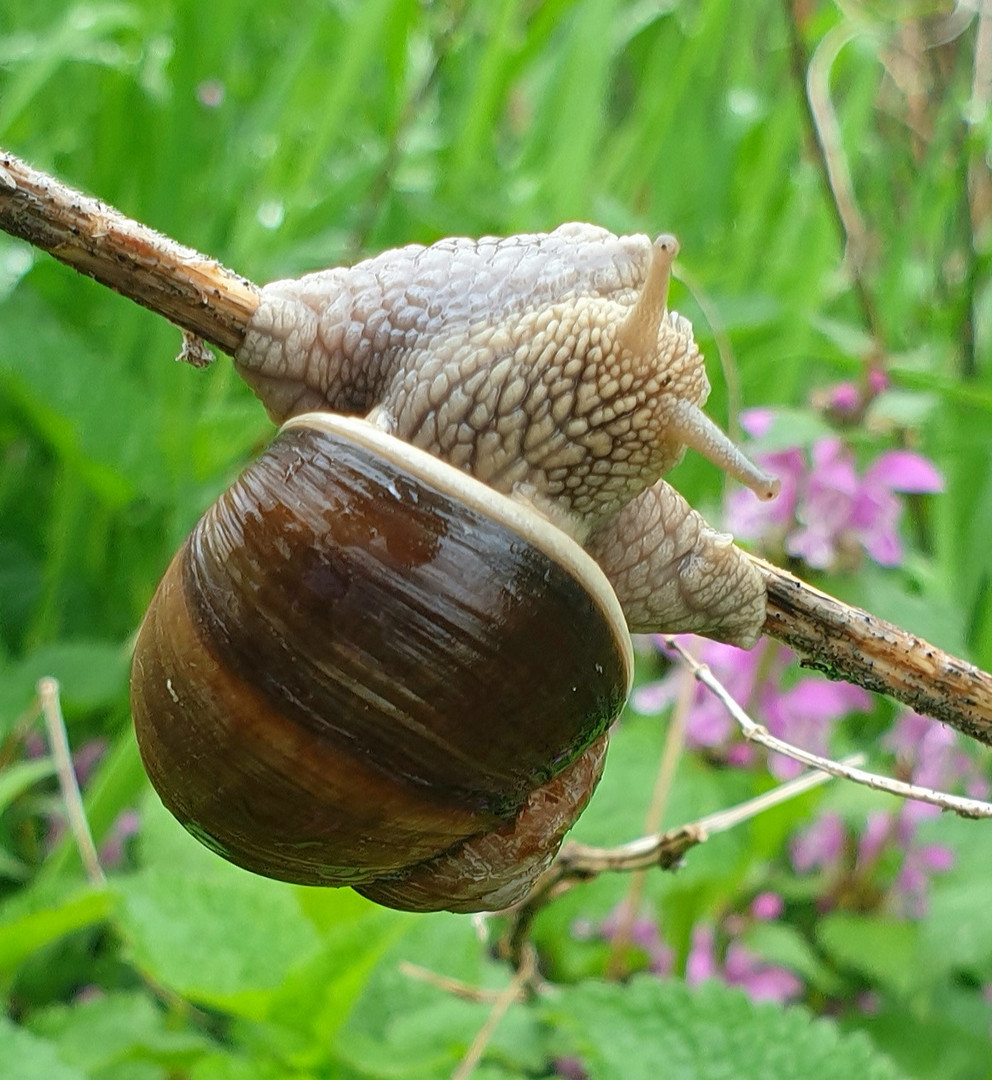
[{"x": 314, "y": 595}]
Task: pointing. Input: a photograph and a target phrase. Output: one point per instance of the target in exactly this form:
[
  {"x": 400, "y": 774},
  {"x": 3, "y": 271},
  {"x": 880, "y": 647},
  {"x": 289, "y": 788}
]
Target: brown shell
[{"x": 361, "y": 657}]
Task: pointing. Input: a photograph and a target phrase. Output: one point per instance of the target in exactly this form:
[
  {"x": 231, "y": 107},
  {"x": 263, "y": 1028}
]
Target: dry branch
[
  {"x": 189, "y": 289},
  {"x": 846, "y": 642},
  {"x": 202, "y": 297}
]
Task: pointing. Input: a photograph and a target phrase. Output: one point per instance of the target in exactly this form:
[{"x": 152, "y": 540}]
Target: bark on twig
[
  {"x": 201, "y": 296},
  {"x": 846, "y": 642},
  {"x": 189, "y": 289}
]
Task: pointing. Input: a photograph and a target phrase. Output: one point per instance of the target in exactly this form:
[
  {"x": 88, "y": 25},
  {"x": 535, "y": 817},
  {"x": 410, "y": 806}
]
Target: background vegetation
[{"x": 281, "y": 138}]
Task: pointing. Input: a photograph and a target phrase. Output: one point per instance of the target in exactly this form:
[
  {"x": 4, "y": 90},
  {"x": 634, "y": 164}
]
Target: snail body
[
  {"x": 546, "y": 360},
  {"x": 389, "y": 655}
]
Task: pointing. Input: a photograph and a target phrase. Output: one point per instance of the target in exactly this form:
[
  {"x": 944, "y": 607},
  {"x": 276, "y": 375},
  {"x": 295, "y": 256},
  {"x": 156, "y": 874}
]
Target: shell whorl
[{"x": 366, "y": 668}]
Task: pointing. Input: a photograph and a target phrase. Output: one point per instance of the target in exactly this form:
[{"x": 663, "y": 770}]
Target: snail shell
[{"x": 366, "y": 668}]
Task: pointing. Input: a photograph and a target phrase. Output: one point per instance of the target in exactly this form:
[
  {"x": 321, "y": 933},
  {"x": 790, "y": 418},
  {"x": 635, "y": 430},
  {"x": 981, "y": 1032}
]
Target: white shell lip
[{"x": 524, "y": 520}]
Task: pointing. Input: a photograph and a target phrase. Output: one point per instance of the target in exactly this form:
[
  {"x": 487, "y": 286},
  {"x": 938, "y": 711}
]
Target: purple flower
[
  {"x": 878, "y": 834},
  {"x": 932, "y": 756},
  {"x": 759, "y": 980},
  {"x": 126, "y": 825},
  {"x": 767, "y": 906},
  {"x": 750, "y": 518},
  {"x": 701, "y": 963},
  {"x": 86, "y": 759},
  {"x": 740, "y": 967},
  {"x": 893, "y": 867},
  {"x": 844, "y": 399},
  {"x": 913, "y": 883},
  {"x": 749, "y": 675},
  {"x": 878, "y": 382},
  {"x": 570, "y": 1068},
  {"x": 820, "y": 846},
  {"x": 803, "y": 715},
  {"x": 902, "y": 470},
  {"x": 643, "y": 934},
  {"x": 869, "y": 1003},
  {"x": 827, "y": 513},
  {"x": 845, "y": 402}
]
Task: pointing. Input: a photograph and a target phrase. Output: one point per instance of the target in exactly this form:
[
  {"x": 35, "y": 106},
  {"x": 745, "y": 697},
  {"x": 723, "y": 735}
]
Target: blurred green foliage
[{"x": 281, "y": 139}]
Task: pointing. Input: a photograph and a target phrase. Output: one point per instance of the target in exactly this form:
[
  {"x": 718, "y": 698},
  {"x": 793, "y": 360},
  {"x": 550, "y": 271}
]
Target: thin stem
[
  {"x": 455, "y": 987},
  {"x": 577, "y": 863},
  {"x": 979, "y": 178},
  {"x": 72, "y": 800},
  {"x": 724, "y": 347},
  {"x": 812, "y": 76},
  {"x": 672, "y": 752},
  {"x": 522, "y": 977},
  {"x": 753, "y": 732}
]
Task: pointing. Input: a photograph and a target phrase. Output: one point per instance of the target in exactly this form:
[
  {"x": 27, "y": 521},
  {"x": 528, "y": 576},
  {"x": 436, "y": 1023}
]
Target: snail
[{"x": 390, "y": 654}]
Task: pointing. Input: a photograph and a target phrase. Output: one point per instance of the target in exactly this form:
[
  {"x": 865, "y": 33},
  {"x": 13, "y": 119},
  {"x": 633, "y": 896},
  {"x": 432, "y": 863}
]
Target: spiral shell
[{"x": 363, "y": 665}]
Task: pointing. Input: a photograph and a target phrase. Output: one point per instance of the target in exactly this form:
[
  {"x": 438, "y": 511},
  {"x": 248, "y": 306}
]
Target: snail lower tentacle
[{"x": 689, "y": 425}]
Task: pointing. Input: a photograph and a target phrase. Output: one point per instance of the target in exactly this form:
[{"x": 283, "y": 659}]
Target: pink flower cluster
[
  {"x": 827, "y": 514},
  {"x": 832, "y": 515},
  {"x": 802, "y": 714},
  {"x": 739, "y": 965},
  {"x": 715, "y": 952},
  {"x": 851, "y": 860}
]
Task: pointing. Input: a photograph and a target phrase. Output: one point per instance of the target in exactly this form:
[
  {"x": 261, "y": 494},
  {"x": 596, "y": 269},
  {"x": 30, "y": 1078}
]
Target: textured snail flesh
[
  {"x": 548, "y": 360},
  {"x": 362, "y": 658},
  {"x": 672, "y": 570},
  {"x": 548, "y": 366}
]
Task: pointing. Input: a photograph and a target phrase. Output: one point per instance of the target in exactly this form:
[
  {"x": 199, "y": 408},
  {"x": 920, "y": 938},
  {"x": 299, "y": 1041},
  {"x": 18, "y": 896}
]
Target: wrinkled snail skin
[
  {"x": 673, "y": 572},
  {"x": 334, "y": 339},
  {"x": 545, "y": 361},
  {"x": 389, "y": 655}
]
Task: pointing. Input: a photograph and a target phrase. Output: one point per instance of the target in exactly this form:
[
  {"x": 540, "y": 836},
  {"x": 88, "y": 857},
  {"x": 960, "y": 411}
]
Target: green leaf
[
  {"x": 957, "y": 929},
  {"x": 118, "y": 1028},
  {"x": 226, "y": 939},
  {"x": 405, "y": 1026},
  {"x": 649, "y": 1028},
  {"x": 26, "y": 1057},
  {"x": 230, "y": 1066},
  {"x": 949, "y": 1040},
  {"x": 881, "y": 949},
  {"x": 208, "y": 929},
  {"x": 23, "y": 934},
  {"x": 92, "y": 422},
  {"x": 318, "y": 996},
  {"x": 902, "y": 408},
  {"x": 20, "y": 776},
  {"x": 91, "y": 674}
]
